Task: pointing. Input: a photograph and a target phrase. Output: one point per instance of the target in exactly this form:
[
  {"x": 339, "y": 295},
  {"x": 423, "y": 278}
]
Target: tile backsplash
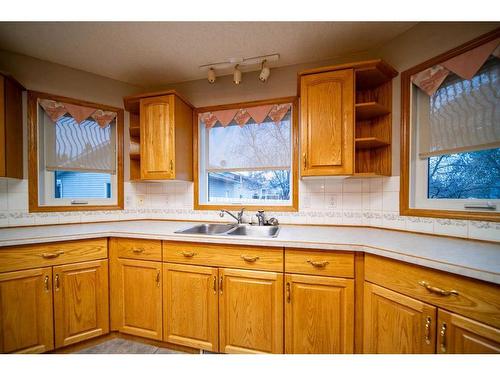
[{"x": 369, "y": 202}]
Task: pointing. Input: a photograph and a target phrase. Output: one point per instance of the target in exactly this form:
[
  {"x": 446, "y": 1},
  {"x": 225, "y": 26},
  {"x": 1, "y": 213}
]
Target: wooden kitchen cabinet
[
  {"x": 397, "y": 324},
  {"x": 190, "y": 295},
  {"x": 460, "y": 335},
  {"x": 26, "y": 324},
  {"x": 327, "y": 123},
  {"x": 81, "y": 309},
  {"x": 137, "y": 297},
  {"x": 250, "y": 311},
  {"x": 161, "y": 124},
  {"x": 11, "y": 128},
  {"x": 319, "y": 315}
]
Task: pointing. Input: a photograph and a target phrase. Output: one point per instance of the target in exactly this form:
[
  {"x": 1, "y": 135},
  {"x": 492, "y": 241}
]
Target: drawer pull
[
  {"x": 158, "y": 279},
  {"x": 443, "y": 337},
  {"x": 436, "y": 290},
  {"x": 249, "y": 259},
  {"x": 221, "y": 283},
  {"x": 188, "y": 254},
  {"x": 288, "y": 293},
  {"x": 215, "y": 284},
  {"x": 137, "y": 251},
  {"x": 317, "y": 263},
  {"x": 52, "y": 255},
  {"x": 428, "y": 322},
  {"x": 57, "y": 282}
]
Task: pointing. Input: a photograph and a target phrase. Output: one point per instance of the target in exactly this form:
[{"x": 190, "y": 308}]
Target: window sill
[
  {"x": 36, "y": 208},
  {"x": 213, "y": 207},
  {"x": 449, "y": 214}
]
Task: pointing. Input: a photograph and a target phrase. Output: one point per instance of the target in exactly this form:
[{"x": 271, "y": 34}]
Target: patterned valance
[
  {"x": 55, "y": 110},
  {"x": 274, "y": 112},
  {"x": 465, "y": 65}
]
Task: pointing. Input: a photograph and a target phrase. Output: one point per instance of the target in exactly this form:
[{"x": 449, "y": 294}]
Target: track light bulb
[
  {"x": 265, "y": 72},
  {"x": 236, "y": 75},
  {"x": 211, "y": 75}
]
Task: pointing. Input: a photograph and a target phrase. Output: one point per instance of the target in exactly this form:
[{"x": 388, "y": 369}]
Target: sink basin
[
  {"x": 208, "y": 229},
  {"x": 254, "y": 231},
  {"x": 232, "y": 230}
]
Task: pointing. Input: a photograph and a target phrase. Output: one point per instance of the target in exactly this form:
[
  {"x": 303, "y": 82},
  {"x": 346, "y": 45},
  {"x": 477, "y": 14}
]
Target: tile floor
[{"x": 122, "y": 346}]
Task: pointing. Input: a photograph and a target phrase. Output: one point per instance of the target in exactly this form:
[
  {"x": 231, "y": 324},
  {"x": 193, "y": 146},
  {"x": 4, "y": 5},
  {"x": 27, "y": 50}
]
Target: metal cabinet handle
[
  {"x": 52, "y": 255},
  {"x": 443, "y": 337},
  {"x": 215, "y": 284},
  {"x": 317, "y": 263},
  {"x": 221, "y": 283},
  {"x": 188, "y": 254},
  {"x": 436, "y": 290},
  {"x": 288, "y": 294},
  {"x": 171, "y": 165},
  {"x": 250, "y": 259},
  {"x": 57, "y": 284},
  {"x": 46, "y": 283},
  {"x": 304, "y": 156},
  {"x": 428, "y": 323},
  {"x": 158, "y": 278},
  {"x": 138, "y": 251}
]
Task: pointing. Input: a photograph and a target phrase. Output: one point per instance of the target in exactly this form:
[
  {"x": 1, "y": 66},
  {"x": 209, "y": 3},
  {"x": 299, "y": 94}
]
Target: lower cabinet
[
  {"x": 319, "y": 315},
  {"x": 190, "y": 295},
  {"x": 397, "y": 324},
  {"x": 80, "y": 301},
  {"x": 460, "y": 335},
  {"x": 251, "y": 311},
  {"x": 26, "y": 318},
  {"x": 137, "y": 297}
]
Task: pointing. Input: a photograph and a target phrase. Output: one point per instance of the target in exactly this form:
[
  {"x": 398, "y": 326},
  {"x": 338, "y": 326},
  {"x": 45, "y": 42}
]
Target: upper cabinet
[
  {"x": 161, "y": 132},
  {"x": 346, "y": 119},
  {"x": 11, "y": 128}
]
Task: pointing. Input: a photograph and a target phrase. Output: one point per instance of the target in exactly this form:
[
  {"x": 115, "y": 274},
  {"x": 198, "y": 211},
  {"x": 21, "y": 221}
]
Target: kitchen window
[
  {"x": 76, "y": 163},
  {"x": 452, "y": 146},
  {"x": 246, "y": 156}
]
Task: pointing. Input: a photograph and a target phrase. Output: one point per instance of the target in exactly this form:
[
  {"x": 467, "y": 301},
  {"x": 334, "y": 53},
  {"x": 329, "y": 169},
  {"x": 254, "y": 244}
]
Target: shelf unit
[
  {"x": 373, "y": 119},
  {"x": 134, "y": 152}
]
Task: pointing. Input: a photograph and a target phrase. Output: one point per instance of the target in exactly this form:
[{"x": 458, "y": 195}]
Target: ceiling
[{"x": 158, "y": 53}]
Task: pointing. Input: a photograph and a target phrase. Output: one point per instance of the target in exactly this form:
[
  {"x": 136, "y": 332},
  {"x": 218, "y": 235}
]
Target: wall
[{"x": 322, "y": 201}]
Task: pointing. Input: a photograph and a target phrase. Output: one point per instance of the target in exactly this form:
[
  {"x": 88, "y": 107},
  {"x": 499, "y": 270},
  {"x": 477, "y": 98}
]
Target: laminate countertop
[{"x": 476, "y": 259}]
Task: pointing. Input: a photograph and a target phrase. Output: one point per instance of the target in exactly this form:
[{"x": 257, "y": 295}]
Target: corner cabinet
[
  {"x": 346, "y": 119},
  {"x": 161, "y": 131}
]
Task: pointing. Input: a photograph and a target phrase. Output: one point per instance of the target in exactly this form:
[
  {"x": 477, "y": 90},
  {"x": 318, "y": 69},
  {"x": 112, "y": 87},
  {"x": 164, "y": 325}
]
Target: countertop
[{"x": 476, "y": 259}]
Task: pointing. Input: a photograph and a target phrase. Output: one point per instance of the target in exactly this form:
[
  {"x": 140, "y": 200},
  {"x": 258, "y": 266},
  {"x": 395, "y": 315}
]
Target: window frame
[
  {"x": 33, "y": 160},
  {"x": 408, "y": 141},
  {"x": 294, "y": 206}
]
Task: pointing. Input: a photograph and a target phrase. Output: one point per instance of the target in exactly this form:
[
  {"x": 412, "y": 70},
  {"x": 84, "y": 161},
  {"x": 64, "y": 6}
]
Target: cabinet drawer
[
  {"x": 248, "y": 257},
  {"x": 319, "y": 262},
  {"x": 473, "y": 298},
  {"x": 51, "y": 254},
  {"x": 136, "y": 248}
]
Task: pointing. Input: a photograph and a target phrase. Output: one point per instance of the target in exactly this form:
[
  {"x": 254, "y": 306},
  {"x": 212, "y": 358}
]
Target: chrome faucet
[
  {"x": 238, "y": 217},
  {"x": 261, "y": 217}
]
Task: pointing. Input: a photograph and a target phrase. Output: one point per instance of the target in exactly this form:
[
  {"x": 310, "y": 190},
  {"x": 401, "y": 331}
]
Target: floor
[{"x": 123, "y": 346}]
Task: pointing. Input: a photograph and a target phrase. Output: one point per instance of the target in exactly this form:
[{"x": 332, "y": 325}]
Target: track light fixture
[
  {"x": 211, "y": 75},
  {"x": 236, "y": 75},
  {"x": 265, "y": 72}
]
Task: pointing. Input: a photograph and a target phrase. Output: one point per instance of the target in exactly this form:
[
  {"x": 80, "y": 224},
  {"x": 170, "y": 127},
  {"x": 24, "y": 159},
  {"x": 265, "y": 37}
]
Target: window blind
[
  {"x": 258, "y": 146},
  {"x": 462, "y": 115},
  {"x": 84, "y": 147}
]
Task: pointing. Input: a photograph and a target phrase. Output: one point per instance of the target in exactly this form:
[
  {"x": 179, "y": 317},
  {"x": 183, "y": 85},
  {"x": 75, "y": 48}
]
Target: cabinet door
[
  {"x": 157, "y": 137},
  {"x": 26, "y": 324},
  {"x": 137, "y": 297},
  {"x": 81, "y": 309},
  {"x": 327, "y": 123},
  {"x": 319, "y": 315},
  {"x": 191, "y": 306},
  {"x": 250, "y": 311},
  {"x": 460, "y": 335},
  {"x": 396, "y": 324}
]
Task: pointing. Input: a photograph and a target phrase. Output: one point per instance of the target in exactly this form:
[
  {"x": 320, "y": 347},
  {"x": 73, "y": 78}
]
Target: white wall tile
[
  {"x": 375, "y": 185},
  {"x": 17, "y": 202},
  {"x": 314, "y": 186},
  {"x": 317, "y": 200},
  {"x": 333, "y": 201},
  {"x": 352, "y": 186},
  {"x": 155, "y": 188},
  {"x": 352, "y": 201},
  {"x": 420, "y": 224},
  {"x": 484, "y": 230},
  {"x": 17, "y": 186},
  {"x": 376, "y": 201},
  {"x": 333, "y": 186},
  {"x": 390, "y": 183},
  {"x": 458, "y": 228},
  {"x": 390, "y": 201}
]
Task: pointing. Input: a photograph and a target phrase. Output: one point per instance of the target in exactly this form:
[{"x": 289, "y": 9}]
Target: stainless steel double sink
[{"x": 266, "y": 231}]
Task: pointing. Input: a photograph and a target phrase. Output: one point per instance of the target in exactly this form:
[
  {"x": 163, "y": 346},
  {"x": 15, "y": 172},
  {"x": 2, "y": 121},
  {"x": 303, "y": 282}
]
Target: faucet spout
[{"x": 238, "y": 217}]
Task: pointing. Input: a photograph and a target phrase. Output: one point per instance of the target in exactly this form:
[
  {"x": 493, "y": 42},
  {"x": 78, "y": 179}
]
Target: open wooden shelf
[
  {"x": 369, "y": 110},
  {"x": 375, "y": 74},
  {"x": 370, "y": 142},
  {"x": 135, "y": 131}
]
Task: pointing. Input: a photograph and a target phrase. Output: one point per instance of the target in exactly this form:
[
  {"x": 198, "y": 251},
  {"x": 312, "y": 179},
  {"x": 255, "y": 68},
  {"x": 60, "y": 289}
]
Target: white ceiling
[{"x": 158, "y": 53}]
